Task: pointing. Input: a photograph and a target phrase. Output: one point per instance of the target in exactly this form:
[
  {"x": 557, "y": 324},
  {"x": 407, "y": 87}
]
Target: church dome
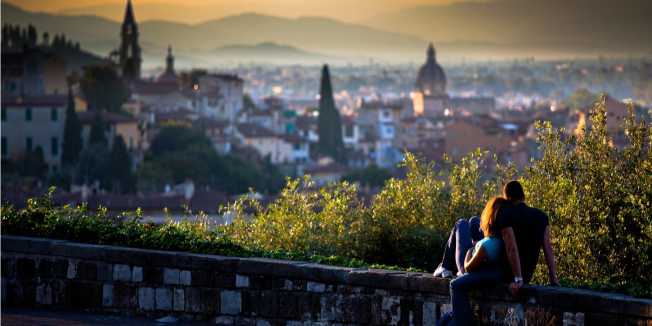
[{"x": 431, "y": 79}]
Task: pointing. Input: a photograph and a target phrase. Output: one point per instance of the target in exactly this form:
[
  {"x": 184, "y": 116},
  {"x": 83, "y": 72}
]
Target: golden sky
[{"x": 192, "y": 11}]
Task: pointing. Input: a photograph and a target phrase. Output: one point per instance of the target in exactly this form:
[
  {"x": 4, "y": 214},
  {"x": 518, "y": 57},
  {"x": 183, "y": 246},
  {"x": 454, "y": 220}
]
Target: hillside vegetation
[{"x": 598, "y": 198}]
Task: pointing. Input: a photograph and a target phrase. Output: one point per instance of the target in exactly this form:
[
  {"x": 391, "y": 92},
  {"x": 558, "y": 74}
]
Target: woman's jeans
[
  {"x": 460, "y": 287},
  {"x": 459, "y": 242}
]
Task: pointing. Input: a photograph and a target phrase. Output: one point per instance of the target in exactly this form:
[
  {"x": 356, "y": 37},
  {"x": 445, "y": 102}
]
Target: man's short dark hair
[{"x": 513, "y": 191}]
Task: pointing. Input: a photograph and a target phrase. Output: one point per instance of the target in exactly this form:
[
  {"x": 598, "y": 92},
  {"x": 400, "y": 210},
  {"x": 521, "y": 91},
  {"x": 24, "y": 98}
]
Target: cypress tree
[
  {"x": 72, "y": 140},
  {"x": 98, "y": 135},
  {"x": 329, "y": 123},
  {"x": 122, "y": 176},
  {"x": 33, "y": 164}
]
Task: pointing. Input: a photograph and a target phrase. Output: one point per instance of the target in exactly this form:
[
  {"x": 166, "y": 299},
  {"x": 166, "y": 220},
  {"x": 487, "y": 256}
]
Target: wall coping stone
[{"x": 575, "y": 299}]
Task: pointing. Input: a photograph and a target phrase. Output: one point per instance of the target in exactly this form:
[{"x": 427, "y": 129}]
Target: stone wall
[{"x": 251, "y": 291}]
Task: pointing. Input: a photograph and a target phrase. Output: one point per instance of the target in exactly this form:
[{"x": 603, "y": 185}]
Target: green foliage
[
  {"x": 599, "y": 200},
  {"x": 581, "y": 99},
  {"x": 371, "y": 176},
  {"x": 98, "y": 131},
  {"x": 329, "y": 122},
  {"x": 103, "y": 88},
  {"x": 94, "y": 165},
  {"x": 33, "y": 164},
  {"x": 180, "y": 153},
  {"x": 123, "y": 179},
  {"x": 72, "y": 140},
  {"x": 40, "y": 218}
]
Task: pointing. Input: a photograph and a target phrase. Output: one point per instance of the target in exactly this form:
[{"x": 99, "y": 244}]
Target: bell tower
[{"x": 130, "y": 59}]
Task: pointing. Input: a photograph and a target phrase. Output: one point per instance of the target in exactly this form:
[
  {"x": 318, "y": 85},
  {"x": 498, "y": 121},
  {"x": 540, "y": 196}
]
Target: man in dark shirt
[{"x": 525, "y": 230}]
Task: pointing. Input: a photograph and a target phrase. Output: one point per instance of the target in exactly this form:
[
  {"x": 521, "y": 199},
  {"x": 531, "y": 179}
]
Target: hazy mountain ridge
[
  {"x": 269, "y": 52},
  {"x": 576, "y": 25},
  {"x": 313, "y": 34}
]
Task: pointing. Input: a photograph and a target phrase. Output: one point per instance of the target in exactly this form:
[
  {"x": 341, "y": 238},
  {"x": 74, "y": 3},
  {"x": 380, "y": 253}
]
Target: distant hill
[
  {"x": 269, "y": 52},
  {"x": 572, "y": 26},
  {"x": 314, "y": 34}
]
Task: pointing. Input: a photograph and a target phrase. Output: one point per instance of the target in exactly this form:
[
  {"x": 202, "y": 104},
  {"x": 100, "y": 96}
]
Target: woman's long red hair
[{"x": 488, "y": 217}]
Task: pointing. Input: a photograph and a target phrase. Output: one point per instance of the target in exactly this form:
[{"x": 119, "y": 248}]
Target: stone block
[
  {"x": 58, "y": 292},
  {"x": 262, "y": 322},
  {"x": 288, "y": 306},
  {"x": 107, "y": 295},
  {"x": 84, "y": 295},
  {"x": 316, "y": 287},
  {"x": 44, "y": 294},
  {"x": 124, "y": 295},
  {"x": 146, "y": 299},
  {"x": 179, "y": 300},
  {"x": 71, "y": 273},
  {"x": 45, "y": 268},
  {"x": 8, "y": 267},
  {"x": 60, "y": 268},
  {"x": 185, "y": 278},
  {"x": 429, "y": 313},
  {"x": 137, "y": 274},
  {"x": 87, "y": 270},
  {"x": 263, "y": 303},
  {"x": 3, "y": 289},
  {"x": 170, "y": 276},
  {"x": 309, "y": 305},
  {"x": 241, "y": 281},
  {"x": 121, "y": 273},
  {"x": 104, "y": 272},
  {"x": 223, "y": 280},
  {"x": 210, "y": 299},
  {"x": 25, "y": 268},
  {"x": 192, "y": 297},
  {"x": 294, "y": 323},
  {"x": 230, "y": 302},
  {"x": 164, "y": 299},
  {"x": 224, "y": 320},
  {"x": 152, "y": 275}
]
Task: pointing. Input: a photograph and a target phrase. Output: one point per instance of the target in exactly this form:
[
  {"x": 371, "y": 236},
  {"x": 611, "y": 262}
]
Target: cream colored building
[{"x": 31, "y": 122}]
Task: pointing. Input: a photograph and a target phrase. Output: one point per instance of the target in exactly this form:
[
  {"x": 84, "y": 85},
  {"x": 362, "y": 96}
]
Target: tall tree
[
  {"x": 98, "y": 131},
  {"x": 33, "y": 164},
  {"x": 122, "y": 176},
  {"x": 329, "y": 123},
  {"x": 72, "y": 139},
  {"x": 103, "y": 88}
]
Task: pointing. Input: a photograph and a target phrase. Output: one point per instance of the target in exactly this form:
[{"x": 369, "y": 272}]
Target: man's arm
[
  {"x": 512, "y": 251},
  {"x": 550, "y": 257},
  {"x": 512, "y": 255}
]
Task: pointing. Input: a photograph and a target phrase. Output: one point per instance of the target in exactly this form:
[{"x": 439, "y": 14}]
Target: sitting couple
[{"x": 501, "y": 246}]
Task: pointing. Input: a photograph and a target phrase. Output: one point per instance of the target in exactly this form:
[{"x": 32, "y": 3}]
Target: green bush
[{"x": 598, "y": 198}]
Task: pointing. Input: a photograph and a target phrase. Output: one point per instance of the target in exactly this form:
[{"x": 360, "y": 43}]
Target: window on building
[
  {"x": 28, "y": 144},
  {"x": 28, "y": 114},
  {"x": 54, "y": 114},
  {"x": 55, "y": 146},
  {"x": 4, "y": 114},
  {"x": 4, "y": 146}
]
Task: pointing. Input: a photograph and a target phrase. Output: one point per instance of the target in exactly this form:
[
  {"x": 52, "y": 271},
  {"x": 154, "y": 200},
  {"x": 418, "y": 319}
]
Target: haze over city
[{"x": 355, "y": 32}]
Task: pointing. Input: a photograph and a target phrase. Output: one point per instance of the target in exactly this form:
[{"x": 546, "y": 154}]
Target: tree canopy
[{"x": 329, "y": 122}]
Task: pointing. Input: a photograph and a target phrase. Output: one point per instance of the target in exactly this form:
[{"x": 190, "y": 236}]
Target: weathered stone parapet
[{"x": 258, "y": 291}]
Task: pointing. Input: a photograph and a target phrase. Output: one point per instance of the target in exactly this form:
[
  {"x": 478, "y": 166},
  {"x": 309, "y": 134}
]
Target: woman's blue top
[{"x": 492, "y": 246}]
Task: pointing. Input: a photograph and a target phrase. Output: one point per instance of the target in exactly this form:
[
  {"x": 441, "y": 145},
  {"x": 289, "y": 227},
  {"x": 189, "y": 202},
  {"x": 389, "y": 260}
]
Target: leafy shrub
[{"x": 598, "y": 198}]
